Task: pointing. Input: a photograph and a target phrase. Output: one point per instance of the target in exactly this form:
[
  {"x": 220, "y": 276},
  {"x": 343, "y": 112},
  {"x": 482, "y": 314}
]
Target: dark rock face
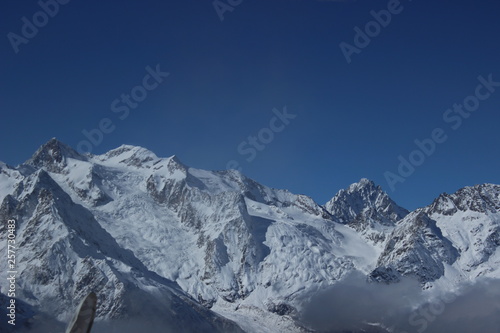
[
  {"x": 480, "y": 198},
  {"x": 364, "y": 201},
  {"x": 417, "y": 248},
  {"x": 367, "y": 209},
  {"x": 53, "y": 156},
  {"x": 281, "y": 309}
]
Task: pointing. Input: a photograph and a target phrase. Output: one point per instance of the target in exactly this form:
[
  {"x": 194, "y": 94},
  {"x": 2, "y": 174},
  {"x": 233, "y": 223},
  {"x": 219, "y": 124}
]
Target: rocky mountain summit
[{"x": 366, "y": 208}]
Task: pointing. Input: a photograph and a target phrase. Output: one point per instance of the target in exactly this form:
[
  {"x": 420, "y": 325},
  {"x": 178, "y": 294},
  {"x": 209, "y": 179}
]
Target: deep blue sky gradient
[{"x": 353, "y": 120}]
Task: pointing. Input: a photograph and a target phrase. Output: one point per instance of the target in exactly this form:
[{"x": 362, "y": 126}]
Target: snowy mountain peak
[
  {"x": 129, "y": 155},
  {"x": 174, "y": 160},
  {"x": 363, "y": 183},
  {"x": 366, "y": 208},
  {"x": 53, "y": 156},
  {"x": 364, "y": 198},
  {"x": 141, "y": 158},
  {"x": 479, "y": 198}
]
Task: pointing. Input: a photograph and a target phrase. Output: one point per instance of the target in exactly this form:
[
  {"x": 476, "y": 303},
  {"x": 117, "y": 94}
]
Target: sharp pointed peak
[
  {"x": 363, "y": 183},
  {"x": 54, "y": 143},
  {"x": 176, "y": 159},
  {"x": 364, "y": 197},
  {"x": 53, "y": 152},
  {"x": 175, "y": 163}
]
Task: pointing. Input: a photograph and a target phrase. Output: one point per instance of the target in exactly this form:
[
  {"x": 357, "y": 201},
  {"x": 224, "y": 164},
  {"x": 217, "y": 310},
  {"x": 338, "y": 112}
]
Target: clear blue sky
[{"x": 225, "y": 77}]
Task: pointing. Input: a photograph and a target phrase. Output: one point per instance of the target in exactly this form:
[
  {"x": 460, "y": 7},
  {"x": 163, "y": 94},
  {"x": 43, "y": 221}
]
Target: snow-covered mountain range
[{"x": 196, "y": 250}]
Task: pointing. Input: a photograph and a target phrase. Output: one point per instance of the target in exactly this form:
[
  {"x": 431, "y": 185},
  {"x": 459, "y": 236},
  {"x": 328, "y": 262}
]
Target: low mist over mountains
[{"x": 183, "y": 249}]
